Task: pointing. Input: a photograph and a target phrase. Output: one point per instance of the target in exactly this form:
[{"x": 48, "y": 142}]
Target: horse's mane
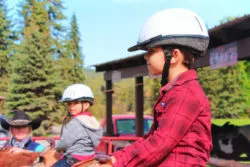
[{"x": 8, "y": 159}]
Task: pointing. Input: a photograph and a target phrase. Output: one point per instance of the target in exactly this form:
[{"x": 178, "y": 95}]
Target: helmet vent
[{"x": 198, "y": 22}]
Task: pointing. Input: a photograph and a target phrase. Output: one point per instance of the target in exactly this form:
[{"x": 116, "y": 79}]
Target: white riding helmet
[
  {"x": 174, "y": 26},
  {"x": 78, "y": 92}
]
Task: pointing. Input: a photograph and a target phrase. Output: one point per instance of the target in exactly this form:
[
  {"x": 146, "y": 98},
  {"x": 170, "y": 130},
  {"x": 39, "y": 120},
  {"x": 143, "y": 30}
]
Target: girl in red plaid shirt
[{"x": 181, "y": 133}]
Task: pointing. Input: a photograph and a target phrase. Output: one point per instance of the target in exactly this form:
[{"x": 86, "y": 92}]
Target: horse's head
[
  {"x": 226, "y": 131},
  {"x": 9, "y": 159}
]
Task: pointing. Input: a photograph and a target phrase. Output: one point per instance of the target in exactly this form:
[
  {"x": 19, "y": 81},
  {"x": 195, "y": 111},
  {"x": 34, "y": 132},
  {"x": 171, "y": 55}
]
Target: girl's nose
[{"x": 146, "y": 57}]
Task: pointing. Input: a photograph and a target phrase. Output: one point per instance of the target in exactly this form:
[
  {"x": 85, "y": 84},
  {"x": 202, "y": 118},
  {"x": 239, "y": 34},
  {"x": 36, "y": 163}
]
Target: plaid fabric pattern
[{"x": 181, "y": 133}]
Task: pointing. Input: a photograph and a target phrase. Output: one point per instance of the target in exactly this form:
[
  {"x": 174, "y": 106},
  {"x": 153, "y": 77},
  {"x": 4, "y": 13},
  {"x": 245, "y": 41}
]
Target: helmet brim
[
  {"x": 62, "y": 100},
  {"x": 198, "y": 43},
  {"x": 143, "y": 45},
  {"x": 87, "y": 99},
  {"x": 137, "y": 47}
]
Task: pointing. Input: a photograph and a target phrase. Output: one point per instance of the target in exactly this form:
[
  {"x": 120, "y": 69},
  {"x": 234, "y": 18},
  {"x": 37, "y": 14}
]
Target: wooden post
[
  {"x": 109, "y": 107},
  {"x": 139, "y": 106}
]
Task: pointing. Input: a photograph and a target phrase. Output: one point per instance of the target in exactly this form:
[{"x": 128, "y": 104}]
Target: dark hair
[
  {"x": 188, "y": 57},
  {"x": 189, "y": 54}
]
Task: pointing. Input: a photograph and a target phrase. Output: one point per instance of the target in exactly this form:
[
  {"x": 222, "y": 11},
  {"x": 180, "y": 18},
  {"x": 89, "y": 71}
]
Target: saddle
[
  {"x": 51, "y": 156},
  {"x": 101, "y": 159}
]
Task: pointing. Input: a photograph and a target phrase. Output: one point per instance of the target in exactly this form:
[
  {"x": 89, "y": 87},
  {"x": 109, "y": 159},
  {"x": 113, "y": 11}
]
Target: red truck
[{"x": 123, "y": 128}]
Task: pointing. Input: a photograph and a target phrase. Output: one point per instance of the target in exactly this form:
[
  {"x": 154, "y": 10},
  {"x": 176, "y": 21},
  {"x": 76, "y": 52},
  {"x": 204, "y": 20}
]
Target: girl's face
[
  {"x": 155, "y": 60},
  {"x": 20, "y": 132},
  {"x": 75, "y": 107}
]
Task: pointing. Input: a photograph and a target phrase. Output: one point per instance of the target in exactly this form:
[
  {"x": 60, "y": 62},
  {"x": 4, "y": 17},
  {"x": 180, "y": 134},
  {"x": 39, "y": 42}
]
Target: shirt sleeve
[
  {"x": 174, "y": 122},
  {"x": 70, "y": 135},
  {"x": 39, "y": 148}
]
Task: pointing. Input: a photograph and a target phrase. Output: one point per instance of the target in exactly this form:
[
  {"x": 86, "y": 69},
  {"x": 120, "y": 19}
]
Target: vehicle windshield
[{"x": 127, "y": 126}]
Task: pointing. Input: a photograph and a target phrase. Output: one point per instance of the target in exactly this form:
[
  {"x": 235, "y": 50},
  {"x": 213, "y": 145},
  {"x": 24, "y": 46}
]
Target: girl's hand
[
  {"x": 58, "y": 155},
  {"x": 109, "y": 163}
]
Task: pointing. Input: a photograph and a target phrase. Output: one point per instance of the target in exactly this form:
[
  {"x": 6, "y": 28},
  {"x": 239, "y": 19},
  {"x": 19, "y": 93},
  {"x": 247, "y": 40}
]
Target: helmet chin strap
[
  {"x": 82, "y": 107},
  {"x": 68, "y": 114},
  {"x": 164, "y": 77}
]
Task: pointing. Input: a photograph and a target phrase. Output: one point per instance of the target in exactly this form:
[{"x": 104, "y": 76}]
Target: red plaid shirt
[{"x": 181, "y": 133}]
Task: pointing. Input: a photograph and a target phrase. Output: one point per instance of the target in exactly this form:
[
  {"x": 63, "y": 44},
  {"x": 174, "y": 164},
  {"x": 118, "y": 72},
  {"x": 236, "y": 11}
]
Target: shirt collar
[
  {"x": 20, "y": 144},
  {"x": 83, "y": 113},
  {"x": 181, "y": 79}
]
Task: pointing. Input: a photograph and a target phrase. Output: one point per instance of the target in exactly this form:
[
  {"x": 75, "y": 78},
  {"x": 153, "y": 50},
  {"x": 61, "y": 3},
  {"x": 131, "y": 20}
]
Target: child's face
[
  {"x": 20, "y": 132},
  {"x": 155, "y": 60},
  {"x": 75, "y": 107}
]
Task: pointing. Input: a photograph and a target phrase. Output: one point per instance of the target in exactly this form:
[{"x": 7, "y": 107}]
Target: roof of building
[{"x": 234, "y": 30}]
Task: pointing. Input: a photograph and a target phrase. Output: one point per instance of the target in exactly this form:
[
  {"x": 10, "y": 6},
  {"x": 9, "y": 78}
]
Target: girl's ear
[
  {"x": 175, "y": 56},
  {"x": 86, "y": 105}
]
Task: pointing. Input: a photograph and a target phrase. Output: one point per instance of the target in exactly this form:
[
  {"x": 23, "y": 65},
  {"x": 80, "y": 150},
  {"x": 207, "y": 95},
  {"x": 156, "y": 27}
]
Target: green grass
[{"x": 238, "y": 122}]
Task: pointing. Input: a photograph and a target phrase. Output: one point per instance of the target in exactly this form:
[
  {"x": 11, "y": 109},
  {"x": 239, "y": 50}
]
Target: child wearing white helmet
[
  {"x": 181, "y": 132},
  {"x": 83, "y": 132}
]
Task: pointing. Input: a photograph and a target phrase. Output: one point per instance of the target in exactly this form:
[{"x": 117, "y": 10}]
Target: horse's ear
[{"x": 227, "y": 123}]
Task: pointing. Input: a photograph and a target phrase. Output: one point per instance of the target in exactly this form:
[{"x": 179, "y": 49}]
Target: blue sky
[{"x": 109, "y": 27}]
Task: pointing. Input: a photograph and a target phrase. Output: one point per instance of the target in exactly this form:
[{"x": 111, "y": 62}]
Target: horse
[
  {"x": 45, "y": 159},
  {"x": 230, "y": 142},
  {"x": 245, "y": 131},
  {"x": 21, "y": 159}
]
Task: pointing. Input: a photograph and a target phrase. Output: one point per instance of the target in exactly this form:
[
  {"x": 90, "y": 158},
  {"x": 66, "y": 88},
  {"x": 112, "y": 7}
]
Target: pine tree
[
  {"x": 70, "y": 63},
  {"x": 57, "y": 33},
  {"x": 55, "y": 12},
  {"x": 32, "y": 88},
  {"x": 6, "y": 42},
  {"x": 74, "y": 54}
]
